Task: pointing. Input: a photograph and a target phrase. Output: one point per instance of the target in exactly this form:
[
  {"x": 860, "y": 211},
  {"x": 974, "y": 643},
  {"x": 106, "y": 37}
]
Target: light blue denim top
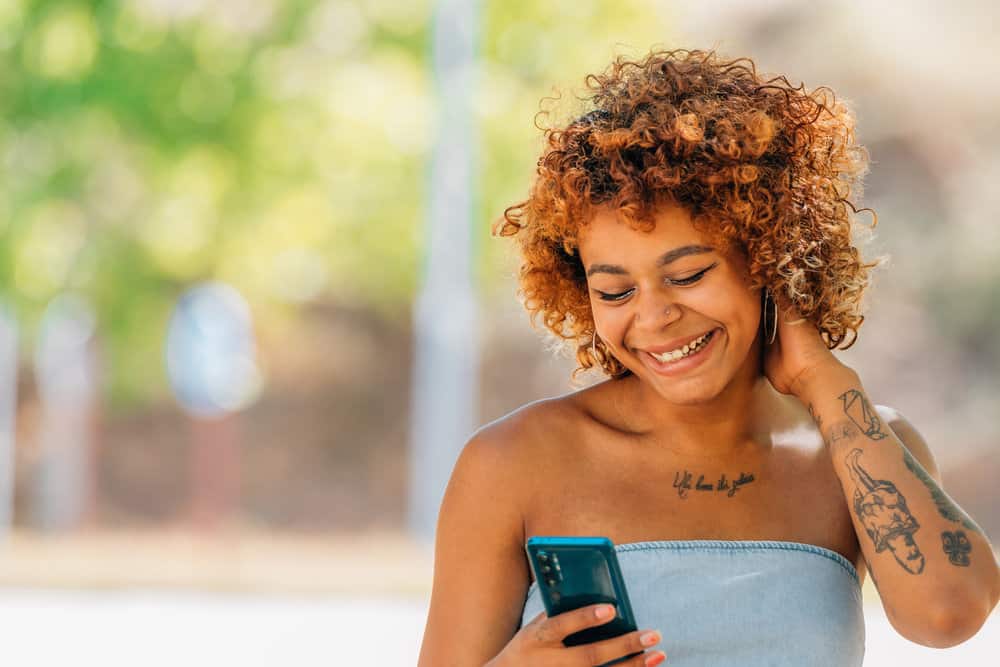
[{"x": 742, "y": 603}]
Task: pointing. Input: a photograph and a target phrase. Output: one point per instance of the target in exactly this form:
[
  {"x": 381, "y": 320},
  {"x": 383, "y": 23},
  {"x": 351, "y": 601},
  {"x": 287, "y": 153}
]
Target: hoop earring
[
  {"x": 607, "y": 361},
  {"x": 774, "y": 317}
]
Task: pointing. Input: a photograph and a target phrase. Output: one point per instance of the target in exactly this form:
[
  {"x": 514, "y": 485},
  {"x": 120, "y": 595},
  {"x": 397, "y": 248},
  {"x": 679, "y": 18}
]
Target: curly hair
[{"x": 761, "y": 166}]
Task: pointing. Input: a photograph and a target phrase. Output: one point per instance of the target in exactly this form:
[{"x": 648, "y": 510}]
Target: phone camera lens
[
  {"x": 551, "y": 582},
  {"x": 543, "y": 556}
]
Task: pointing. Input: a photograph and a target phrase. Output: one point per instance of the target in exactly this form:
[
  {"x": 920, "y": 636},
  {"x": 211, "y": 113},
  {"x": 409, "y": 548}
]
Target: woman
[{"x": 741, "y": 470}]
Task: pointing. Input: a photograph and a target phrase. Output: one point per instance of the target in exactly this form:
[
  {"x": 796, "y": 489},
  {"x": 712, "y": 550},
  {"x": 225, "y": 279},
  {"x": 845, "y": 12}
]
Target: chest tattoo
[{"x": 684, "y": 483}]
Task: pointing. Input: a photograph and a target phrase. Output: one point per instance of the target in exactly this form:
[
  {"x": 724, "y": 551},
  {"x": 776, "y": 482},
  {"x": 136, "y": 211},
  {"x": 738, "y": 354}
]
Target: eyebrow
[{"x": 663, "y": 260}]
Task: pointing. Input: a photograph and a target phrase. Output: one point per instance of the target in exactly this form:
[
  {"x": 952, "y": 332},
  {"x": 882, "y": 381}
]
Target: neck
[{"x": 728, "y": 426}]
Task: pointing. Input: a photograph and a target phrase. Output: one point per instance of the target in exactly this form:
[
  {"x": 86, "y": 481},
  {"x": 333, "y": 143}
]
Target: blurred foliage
[
  {"x": 535, "y": 57},
  {"x": 281, "y": 146}
]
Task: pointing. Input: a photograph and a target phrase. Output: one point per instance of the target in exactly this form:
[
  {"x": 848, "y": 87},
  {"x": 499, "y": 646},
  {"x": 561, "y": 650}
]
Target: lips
[
  {"x": 675, "y": 344},
  {"x": 683, "y": 365}
]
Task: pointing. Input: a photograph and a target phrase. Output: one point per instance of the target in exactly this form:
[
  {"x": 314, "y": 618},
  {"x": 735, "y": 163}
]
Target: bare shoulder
[
  {"x": 481, "y": 574},
  {"x": 501, "y": 454},
  {"x": 911, "y": 439},
  {"x": 507, "y": 452},
  {"x": 531, "y": 430},
  {"x": 530, "y": 419}
]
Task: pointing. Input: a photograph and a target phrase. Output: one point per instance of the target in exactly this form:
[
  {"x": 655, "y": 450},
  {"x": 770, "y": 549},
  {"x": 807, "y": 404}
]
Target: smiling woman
[
  {"x": 762, "y": 166},
  {"x": 691, "y": 235}
]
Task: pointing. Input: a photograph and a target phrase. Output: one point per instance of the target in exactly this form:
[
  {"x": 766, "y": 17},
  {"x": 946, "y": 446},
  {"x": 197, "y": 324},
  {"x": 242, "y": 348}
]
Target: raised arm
[{"x": 934, "y": 567}]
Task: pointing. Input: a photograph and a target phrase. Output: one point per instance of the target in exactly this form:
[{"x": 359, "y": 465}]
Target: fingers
[
  {"x": 598, "y": 653},
  {"x": 552, "y": 631},
  {"x": 555, "y": 629},
  {"x": 651, "y": 659}
]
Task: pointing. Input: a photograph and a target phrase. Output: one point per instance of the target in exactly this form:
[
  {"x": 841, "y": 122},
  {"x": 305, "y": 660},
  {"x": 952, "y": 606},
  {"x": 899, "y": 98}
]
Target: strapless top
[{"x": 742, "y": 603}]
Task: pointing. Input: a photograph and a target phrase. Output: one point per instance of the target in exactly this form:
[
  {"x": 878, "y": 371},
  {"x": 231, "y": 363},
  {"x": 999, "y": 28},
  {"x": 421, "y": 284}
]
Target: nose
[{"x": 657, "y": 309}]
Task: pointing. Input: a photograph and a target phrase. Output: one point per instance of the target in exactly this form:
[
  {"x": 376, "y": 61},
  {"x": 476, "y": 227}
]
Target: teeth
[{"x": 684, "y": 351}]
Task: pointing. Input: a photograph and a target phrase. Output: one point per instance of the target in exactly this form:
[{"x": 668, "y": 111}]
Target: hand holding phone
[
  {"x": 572, "y": 572},
  {"x": 576, "y": 577}
]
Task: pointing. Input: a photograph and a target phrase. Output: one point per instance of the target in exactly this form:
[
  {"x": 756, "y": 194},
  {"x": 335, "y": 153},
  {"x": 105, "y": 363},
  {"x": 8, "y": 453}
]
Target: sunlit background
[{"x": 250, "y": 307}]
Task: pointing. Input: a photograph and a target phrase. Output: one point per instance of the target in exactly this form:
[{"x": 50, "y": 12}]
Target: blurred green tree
[{"x": 277, "y": 145}]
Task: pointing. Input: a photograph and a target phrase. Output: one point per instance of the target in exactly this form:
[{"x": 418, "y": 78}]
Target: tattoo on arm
[
  {"x": 872, "y": 573},
  {"x": 816, "y": 417},
  {"x": 945, "y": 507},
  {"x": 957, "y": 546},
  {"x": 882, "y": 510},
  {"x": 861, "y": 412},
  {"x": 841, "y": 431}
]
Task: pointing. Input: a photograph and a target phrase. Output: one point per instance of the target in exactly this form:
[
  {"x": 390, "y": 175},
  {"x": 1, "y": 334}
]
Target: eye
[
  {"x": 614, "y": 297},
  {"x": 690, "y": 279}
]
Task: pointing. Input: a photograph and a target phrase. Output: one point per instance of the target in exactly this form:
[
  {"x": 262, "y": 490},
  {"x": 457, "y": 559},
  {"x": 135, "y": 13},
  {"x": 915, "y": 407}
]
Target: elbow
[
  {"x": 995, "y": 596},
  {"x": 950, "y": 625},
  {"x": 958, "y": 625}
]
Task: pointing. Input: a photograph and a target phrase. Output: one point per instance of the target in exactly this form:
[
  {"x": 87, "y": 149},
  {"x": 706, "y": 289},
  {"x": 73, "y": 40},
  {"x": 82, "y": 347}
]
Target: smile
[
  {"x": 683, "y": 358},
  {"x": 685, "y": 350}
]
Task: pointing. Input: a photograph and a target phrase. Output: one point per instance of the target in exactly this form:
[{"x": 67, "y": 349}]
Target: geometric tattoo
[
  {"x": 957, "y": 546},
  {"x": 862, "y": 414},
  {"x": 882, "y": 510}
]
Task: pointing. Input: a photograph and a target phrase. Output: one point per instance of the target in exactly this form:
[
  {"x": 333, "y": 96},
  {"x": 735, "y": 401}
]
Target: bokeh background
[{"x": 217, "y": 235}]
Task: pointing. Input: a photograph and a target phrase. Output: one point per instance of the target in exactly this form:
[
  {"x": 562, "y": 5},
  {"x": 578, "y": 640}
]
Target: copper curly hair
[{"x": 761, "y": 166}]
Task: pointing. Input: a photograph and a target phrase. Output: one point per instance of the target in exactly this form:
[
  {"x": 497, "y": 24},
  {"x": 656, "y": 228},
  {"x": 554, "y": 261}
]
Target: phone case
[{"x": 574, "y": 572}]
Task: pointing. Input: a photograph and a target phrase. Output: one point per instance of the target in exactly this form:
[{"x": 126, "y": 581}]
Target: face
[{"x": 653, "y": 293}]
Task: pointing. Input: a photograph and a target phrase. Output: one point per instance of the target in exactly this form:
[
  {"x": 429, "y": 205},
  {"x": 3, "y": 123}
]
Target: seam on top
[{"x": 734, "y": 545}]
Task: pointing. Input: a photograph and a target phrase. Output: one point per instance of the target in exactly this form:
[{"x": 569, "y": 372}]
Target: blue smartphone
[{"x": 574, "y": 572}]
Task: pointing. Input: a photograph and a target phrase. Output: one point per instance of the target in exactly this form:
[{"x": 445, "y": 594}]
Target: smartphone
[{"x": 574, "y": 572}]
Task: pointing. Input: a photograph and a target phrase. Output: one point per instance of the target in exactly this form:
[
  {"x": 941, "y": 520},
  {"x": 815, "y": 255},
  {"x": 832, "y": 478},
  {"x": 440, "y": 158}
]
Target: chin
[
  {"x": 694, "y": 391},
  {"x": 692, "y": 399}
]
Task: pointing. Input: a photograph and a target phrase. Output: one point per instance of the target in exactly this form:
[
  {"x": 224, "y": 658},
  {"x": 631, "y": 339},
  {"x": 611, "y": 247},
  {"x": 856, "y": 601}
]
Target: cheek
[
  {"x": 740, "y": 316},
  {"x": 610, "y": 323},
  {"x": 742, "y": 300},
  {"x": 748, "y": 316}
]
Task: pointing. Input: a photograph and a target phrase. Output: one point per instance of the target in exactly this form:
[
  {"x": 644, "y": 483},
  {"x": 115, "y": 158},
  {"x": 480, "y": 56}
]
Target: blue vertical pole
[
  {"x": 66, "y": 373},
  {"x": 445, "y": 385}
]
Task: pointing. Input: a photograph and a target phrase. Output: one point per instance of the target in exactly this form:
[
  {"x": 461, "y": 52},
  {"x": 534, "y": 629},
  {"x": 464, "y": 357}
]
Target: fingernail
[
  {"x": 604, "y": 611},
  {"x": 654, "y": 659},
  {"x": 649, "y": 638}
]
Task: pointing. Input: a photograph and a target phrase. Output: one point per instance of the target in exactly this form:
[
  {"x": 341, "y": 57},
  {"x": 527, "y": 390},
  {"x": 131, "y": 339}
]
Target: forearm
[{"x": 934, "y": 567}]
